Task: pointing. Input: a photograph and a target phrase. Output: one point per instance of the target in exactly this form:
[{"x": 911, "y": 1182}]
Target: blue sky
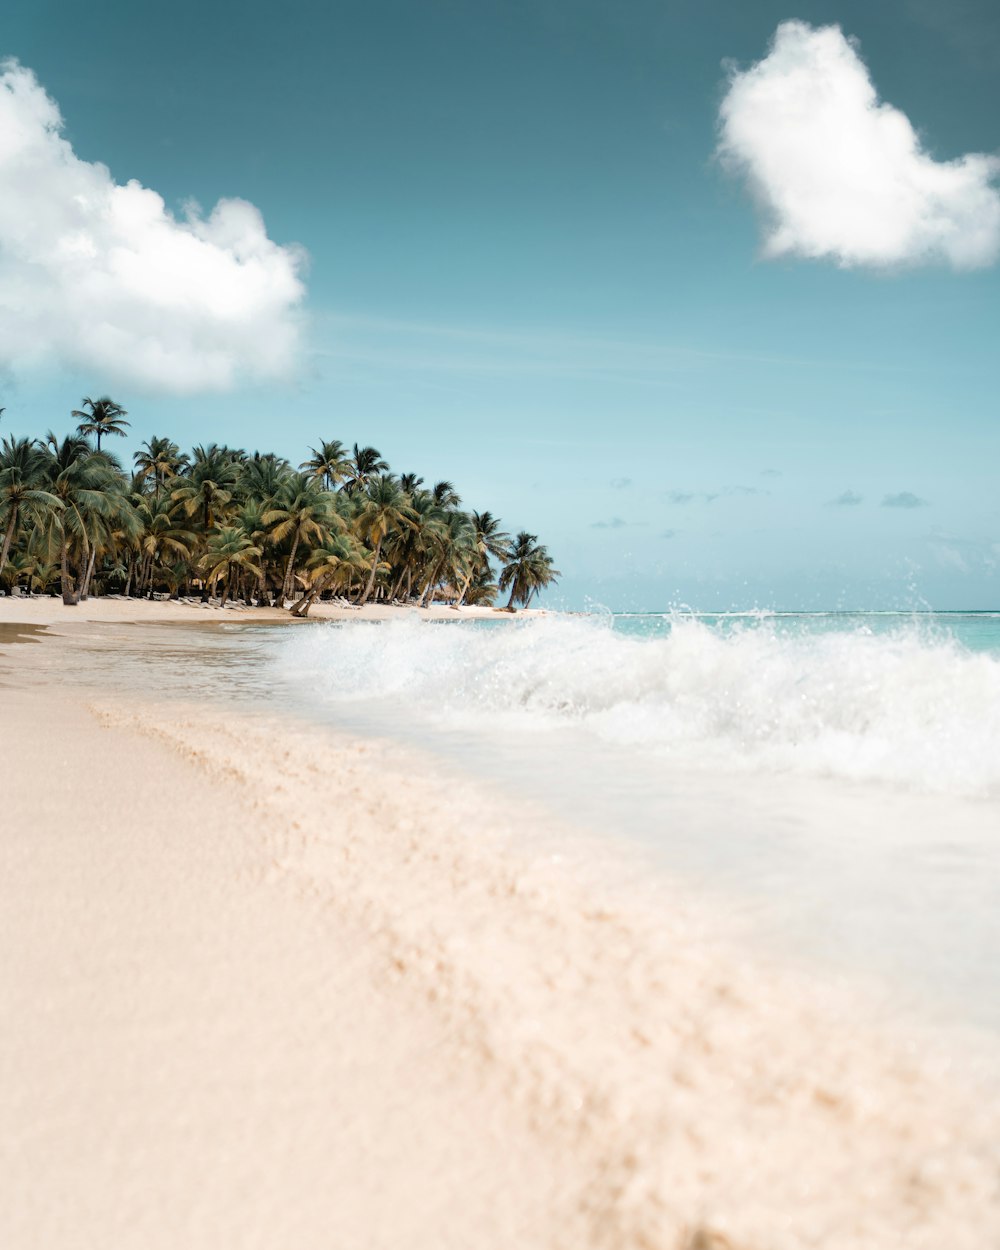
[{"x": 529, "y": 272}]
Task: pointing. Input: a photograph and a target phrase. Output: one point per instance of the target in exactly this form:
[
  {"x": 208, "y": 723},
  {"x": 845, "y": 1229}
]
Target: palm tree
[
  {"x": 207, "y": 484},
  {"x": 456, "y": 553},
  {"x": 104, "y": 417},
  {"x": 250, "y": 520},
  {"x": 302, "y": 511},
  {"x": 382, "y": 508},
  {"x": 446, "y": 496},
  {"x": 365, "y": 464},
  {"x": 162, "y": 536},
  {"x": 228, "y": 552},
  {"x": 329, "y": 462},
  {"x": 339, "y": 559},
  {"x": 528, "y": 569},
  {"x": 489, "y": 540},
  {"x": 22, "y": 481},
  {"x": 261, "y": 477},
  {"x": 411, "y": 549},
  {"x": 91, "y": 493},
  {"x": 159, "y": 458}
]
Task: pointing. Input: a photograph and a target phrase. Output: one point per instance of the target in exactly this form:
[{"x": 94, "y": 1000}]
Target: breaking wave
[{"x": 903, "y": 706}]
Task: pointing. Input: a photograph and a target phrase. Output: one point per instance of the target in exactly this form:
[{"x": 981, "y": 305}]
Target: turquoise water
[{"x": 976, "y": 631}]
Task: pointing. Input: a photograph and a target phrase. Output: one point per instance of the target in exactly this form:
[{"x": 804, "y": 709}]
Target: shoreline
[
  {"x": 46, "y": 610},
  {"x": 272, "y": 982}
]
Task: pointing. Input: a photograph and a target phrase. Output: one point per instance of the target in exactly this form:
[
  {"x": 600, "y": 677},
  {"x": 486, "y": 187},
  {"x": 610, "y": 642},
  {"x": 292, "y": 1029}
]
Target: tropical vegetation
[{"x": 217, "y": 521}]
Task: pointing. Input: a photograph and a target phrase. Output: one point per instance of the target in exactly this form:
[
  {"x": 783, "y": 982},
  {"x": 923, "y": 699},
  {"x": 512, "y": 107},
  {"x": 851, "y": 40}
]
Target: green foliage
[{"x": 218, "y": 519}]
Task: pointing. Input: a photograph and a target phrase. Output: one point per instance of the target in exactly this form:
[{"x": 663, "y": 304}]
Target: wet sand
[{"x": 266, "y": 986}]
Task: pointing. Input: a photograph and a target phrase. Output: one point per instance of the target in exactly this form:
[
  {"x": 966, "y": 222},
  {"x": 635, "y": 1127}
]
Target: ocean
[{"x": 833, "y": 779}]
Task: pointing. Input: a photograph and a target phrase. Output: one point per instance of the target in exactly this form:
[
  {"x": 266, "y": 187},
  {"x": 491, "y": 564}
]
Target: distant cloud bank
[
  {"x": 104, "y": 277},
  {"x": 840, "y": 175}
]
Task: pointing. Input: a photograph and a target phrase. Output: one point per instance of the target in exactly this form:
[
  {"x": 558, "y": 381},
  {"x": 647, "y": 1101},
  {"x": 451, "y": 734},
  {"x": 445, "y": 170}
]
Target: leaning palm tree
[
  {"x": 105, "y": 417},
  {"x": 91, "y": 493},
  {"x": 163, "y": 538},
  {"x": 228, "y": 552},
  {"x": 22, "y": 488},
  {"x": 455, "y": 557},
  {"x": 339, "y": 560},
  {"x": 382, "y": 508},
  {"x": 302, "y": 511},
  {"x": 527, "y": 571},
  {"x": 490, "y": 540}
]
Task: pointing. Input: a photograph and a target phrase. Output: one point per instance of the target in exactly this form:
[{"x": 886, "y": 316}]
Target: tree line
[{"x": 245, "y": 526}]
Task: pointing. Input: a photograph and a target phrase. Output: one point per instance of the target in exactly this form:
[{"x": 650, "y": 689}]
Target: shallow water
[{"x": 835, "y": 779}]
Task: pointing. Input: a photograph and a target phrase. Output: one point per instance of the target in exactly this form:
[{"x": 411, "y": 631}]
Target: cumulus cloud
[
  {"x": 621, "y": 483},
  {"x": 905, "y": 499},
  {"x": 104, "y": 277},
  {"x": 841, "y": 175},
  {"x": 616, "y": 523},
  {"x": 849, "y": 499}
]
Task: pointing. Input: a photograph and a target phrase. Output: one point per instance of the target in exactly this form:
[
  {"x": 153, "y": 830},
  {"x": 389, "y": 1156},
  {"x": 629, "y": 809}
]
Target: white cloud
[
  {"x": 103, "y": 277},
  {"x": 840, "y": 175}
]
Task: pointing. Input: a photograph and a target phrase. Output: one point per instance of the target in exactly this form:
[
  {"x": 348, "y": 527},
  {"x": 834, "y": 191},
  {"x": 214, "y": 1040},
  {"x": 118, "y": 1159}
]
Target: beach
[{"x": 270, "y": 984}]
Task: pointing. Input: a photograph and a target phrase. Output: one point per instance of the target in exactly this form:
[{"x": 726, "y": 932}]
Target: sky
[{"x": 703, "y": 294}]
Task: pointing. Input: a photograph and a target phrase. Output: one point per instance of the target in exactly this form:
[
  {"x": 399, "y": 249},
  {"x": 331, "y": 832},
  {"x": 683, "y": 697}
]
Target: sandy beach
[{"x": 266, "y": 986}]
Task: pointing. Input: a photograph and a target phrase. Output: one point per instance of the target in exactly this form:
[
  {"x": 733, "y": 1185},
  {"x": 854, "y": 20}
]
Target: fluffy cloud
[
  {"x": 104, "y": 277},
  {"x": 849, "y": 499},
  {"x": 841, "y": 175},
  {"x": 905, "y": 499}
]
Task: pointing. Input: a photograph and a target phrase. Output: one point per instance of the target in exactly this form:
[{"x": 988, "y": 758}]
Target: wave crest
[{"x": 900, "y": 707}]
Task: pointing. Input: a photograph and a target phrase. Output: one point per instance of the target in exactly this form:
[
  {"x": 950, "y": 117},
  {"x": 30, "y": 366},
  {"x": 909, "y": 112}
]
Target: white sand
[
  {"x": 265, "y": 988},
  {"x": 46, "y": 610}
]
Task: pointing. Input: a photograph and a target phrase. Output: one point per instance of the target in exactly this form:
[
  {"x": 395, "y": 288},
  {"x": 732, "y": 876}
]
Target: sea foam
[{"x": 902, "y": 707}]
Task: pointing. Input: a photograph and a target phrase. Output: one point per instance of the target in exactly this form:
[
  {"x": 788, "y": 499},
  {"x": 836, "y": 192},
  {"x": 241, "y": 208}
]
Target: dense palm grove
[{"x": 249, "y": 527}]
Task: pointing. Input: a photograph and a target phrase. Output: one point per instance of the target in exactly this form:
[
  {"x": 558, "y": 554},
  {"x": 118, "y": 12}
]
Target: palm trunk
[
  {"x": 8, "y": 537},
  {"x": 69, "y": 592},
  {"x": 286, "y": 586},
  {"x": 427, "y": 598},
  {"x": 309, "y": 598},
  {"x": 465, "y": 589},
  {"x": 85, "y": 590},
  {"x": 371, "y": 580}
]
